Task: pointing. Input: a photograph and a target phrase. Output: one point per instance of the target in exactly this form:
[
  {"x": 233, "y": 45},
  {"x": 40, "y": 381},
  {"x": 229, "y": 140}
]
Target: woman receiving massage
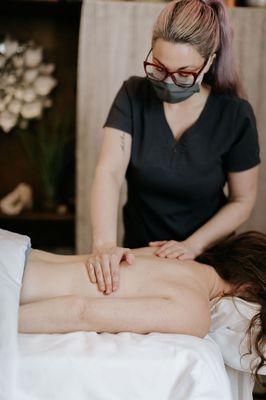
[{"x": 155, "y": 294}]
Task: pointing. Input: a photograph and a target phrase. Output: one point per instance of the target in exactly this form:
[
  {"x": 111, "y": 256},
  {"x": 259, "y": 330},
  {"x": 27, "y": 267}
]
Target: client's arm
[{"x": 140, "y": 315}]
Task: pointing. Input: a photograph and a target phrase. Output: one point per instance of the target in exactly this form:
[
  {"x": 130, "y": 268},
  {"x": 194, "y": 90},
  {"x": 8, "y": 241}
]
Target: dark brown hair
[
  {"x": 241, "y": 260},
  {"x": 205, "y": 25}
]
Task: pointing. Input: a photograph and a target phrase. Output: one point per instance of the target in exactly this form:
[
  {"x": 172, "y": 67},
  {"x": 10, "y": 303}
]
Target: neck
[{"x": 218, "y": 286}]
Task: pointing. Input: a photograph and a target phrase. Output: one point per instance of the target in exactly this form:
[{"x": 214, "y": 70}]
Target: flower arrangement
[{"x": 25, "y": 83}]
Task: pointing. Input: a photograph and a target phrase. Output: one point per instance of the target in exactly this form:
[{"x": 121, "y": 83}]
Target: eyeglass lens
[{"x": 159, "y": 74}]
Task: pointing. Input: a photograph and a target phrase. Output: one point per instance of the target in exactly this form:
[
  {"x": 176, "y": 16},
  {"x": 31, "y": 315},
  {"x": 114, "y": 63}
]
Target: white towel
[{"x": 12, "y": 260}]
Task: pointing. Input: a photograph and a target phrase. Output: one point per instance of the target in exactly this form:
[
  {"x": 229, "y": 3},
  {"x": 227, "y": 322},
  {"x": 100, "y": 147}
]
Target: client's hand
[
  {"x": 103, "y": 266},
  {"x": 174, "y": 249}
]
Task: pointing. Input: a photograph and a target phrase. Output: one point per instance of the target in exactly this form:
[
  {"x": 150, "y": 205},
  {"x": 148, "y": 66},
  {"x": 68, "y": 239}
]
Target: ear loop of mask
[{"x": 203, "y": 73}]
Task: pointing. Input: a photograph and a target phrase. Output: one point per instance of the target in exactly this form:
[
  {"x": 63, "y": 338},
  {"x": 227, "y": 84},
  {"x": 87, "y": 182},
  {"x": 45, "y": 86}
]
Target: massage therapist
[{"x": 177, "y": 135}]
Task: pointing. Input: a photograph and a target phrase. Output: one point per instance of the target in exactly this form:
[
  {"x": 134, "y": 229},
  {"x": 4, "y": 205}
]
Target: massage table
[{"x": 125, "y": 365}]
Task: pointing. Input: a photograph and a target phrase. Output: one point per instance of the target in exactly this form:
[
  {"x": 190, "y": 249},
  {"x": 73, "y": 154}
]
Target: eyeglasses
[{"x": 180, "y": 77}]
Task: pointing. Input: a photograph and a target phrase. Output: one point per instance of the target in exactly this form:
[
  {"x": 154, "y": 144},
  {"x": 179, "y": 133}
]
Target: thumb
[{"x": 130, "y": 257}]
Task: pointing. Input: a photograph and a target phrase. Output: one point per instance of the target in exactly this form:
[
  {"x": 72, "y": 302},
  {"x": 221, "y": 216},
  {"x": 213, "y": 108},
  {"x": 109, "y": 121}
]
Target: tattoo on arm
[{"x": 122, "y": 142}]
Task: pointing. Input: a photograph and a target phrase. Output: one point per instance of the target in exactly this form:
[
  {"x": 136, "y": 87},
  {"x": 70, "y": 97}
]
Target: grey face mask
[{"x": 171, "y": 93}]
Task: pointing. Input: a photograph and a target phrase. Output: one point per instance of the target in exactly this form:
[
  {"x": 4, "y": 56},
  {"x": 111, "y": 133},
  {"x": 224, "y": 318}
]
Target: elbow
[
  {"x": 201, "y": 327},
  {"x": 204, "y": 330},
  {"x": 248, "y": 208}
]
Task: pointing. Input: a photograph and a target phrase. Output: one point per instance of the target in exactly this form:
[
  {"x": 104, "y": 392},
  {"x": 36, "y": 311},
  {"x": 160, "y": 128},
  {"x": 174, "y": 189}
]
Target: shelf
[
  {"x": 47, "y": 231},
  {"x": 53, "y": 25},
  {"x": 38, "y": 216}
]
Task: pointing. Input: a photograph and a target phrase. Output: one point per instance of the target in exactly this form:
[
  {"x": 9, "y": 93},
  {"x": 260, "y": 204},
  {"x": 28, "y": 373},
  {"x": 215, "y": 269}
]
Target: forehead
[{"x": 176, "y": 55}]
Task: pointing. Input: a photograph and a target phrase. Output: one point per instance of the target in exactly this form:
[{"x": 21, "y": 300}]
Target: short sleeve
[
  {"x": 244, "y": 152},
  {"x": 120, "y": 113}
]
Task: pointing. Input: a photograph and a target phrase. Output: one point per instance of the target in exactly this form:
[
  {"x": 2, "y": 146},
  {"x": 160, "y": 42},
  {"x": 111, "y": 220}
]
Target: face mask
[{"x": 171, "y": 93}]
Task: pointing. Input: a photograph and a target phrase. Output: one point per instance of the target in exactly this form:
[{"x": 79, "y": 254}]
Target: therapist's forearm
[
  {"x": 104, "y": 207},
  {"x": 222, "y": 224}
]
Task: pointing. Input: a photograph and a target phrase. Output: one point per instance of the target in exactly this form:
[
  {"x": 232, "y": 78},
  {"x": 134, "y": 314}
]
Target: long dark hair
[
  {"x": 241, "y": 260},
  {"x": 205, "y": 25}
]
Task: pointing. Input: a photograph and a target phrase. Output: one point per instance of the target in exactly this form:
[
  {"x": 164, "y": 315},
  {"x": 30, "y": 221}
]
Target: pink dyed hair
[{"x": 205, "y": 25}]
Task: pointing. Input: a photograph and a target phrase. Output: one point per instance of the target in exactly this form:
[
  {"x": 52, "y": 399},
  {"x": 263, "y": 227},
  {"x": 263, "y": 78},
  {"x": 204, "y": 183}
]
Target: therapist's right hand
[{"x": 103, "y": 266}]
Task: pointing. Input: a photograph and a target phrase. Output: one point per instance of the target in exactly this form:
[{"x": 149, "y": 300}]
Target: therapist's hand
[
  {"x": 103, "y": 266},
  {"x": 174, "y": 249}
]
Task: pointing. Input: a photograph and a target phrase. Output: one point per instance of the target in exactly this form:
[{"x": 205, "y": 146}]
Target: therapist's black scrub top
[{"x": 175, "y": 186}]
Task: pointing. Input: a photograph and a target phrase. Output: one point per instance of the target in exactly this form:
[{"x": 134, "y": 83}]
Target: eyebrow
[{"x": 188, "y": 66}]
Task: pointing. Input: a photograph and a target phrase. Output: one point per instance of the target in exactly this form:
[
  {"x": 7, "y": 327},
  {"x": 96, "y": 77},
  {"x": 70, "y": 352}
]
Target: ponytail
[{"x": 223, "y": 75}]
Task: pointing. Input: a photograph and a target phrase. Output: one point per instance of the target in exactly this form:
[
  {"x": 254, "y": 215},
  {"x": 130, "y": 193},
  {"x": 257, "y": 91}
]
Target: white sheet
[
  {"x": 88, "y": 365},
  {"x": 12, "y": 257},
  {"x": 229, "y": 324}
]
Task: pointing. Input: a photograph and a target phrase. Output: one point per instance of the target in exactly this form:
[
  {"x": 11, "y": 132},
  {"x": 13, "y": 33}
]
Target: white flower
[
  {"x": 31, "y": 110},
  {"x": 11, "y": 79},
  {"x": 14, "y": 106},
  {"x": 25, "y": 83},
  {"x": 10, "y": 90},
  {"x": 30, "y": 75},
  {"x": 44, "y": 84},
  {"x": 29, "y": 95},
  {"x": 7, "y": 98},
  {"x": 19, "y": 93},
  {"x": 33, "y": 57},
  {"x": 9, "y": 47},
  {"x": 7, "y": 121}
]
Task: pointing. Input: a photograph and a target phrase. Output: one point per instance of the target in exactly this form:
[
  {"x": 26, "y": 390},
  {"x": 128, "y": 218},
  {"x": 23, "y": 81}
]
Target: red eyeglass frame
[{"x": 167, "y": 73}]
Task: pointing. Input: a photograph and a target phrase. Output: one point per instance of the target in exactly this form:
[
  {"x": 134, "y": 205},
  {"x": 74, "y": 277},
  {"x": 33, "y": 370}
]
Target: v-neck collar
[{"x": 170, "y": 138}]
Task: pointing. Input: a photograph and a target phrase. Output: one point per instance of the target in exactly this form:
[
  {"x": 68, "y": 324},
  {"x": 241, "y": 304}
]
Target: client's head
[{"x": 241, "y": 260}]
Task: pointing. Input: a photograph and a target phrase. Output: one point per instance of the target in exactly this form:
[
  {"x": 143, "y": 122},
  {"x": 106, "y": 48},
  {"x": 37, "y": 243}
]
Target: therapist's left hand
[{"x": 174, "y": 249}]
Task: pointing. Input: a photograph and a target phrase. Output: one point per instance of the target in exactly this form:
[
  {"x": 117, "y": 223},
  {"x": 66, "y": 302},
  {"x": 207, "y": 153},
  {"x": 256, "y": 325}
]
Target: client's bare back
[
  {"x": 50, "y": 275},
  {"x": 150, "y": 280}
]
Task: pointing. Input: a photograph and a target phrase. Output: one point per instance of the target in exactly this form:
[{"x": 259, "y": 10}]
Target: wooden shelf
[
  {"x": 48, "y": 231},
  {"x": 38, "y": 216},
  {"x": 53, "y": 25}
]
